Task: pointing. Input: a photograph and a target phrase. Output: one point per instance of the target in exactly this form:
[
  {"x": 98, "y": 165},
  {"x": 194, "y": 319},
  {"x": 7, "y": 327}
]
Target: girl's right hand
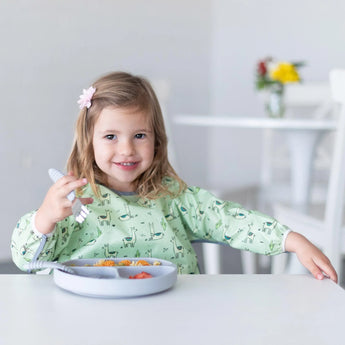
[
  {"x": 310, "y": 256},
  {"x": 56, "y": 206}
]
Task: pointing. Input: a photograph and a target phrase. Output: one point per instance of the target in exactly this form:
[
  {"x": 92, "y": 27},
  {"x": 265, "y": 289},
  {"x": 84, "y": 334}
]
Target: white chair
[
  {"x": 326, "y": 233},
  {"x": 306, "y": 100},
  {"x": 309, "y": 99},
  {"x": 313, "y": 100}
]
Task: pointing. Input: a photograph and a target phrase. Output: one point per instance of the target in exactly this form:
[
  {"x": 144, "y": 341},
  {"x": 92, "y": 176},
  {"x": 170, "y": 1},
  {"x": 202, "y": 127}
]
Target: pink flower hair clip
[{"x": 85, "y": 98}]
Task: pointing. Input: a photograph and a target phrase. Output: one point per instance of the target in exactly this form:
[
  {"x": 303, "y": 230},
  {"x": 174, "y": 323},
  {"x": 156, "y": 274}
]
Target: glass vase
[{"x": 275, "y": 103}]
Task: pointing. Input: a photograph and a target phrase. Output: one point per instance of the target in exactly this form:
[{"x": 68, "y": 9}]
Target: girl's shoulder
[
  {"x": 189, "y": 192},
  {"x": 177, "y": 188},
  {"x": 170, "y": 183}
]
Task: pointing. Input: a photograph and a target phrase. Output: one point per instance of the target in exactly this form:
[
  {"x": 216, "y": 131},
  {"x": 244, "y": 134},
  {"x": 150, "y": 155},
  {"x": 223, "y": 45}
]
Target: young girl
[{"x": 138, "y": 205}]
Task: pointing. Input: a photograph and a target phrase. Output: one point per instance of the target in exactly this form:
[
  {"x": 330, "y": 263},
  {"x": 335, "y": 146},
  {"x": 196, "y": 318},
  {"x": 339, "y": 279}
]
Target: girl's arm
[
  {"x": 215, "y": 220},
  {"x": 34, "y": 236},
  {"x": 310, "y": 256},
  {"x": 28, "y": 244}
]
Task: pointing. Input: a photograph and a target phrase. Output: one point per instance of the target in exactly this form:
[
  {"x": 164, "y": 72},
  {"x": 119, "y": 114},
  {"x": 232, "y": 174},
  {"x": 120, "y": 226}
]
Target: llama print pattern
[
  {"x": 268, "y": 227},
  {"x": 105, "y": 199},
  {"x": 163, "y": 228},
  {"x": 130, "y": 240},
  {"x": 154, "y": 235},
  {"x": 178, "y": 249},
  {"x": 104, "y": 218},
  {"x": 127, "y": 215},
  {"x": 108, "y": 253}
]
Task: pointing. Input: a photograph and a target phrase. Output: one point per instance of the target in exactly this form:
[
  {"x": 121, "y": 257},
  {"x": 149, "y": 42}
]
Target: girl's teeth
[{"x": 127, "y": 164}]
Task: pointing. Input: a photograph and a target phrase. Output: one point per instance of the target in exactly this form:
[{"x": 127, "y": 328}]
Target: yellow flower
[{"x": 284, "y": 72}]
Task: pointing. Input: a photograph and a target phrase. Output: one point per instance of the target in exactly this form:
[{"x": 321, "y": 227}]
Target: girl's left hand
[{"x": 310, "y": 256}]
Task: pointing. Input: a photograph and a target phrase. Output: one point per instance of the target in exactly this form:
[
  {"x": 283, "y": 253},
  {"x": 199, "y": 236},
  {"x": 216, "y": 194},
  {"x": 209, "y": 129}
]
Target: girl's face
[{"x": 123, "y": 144}]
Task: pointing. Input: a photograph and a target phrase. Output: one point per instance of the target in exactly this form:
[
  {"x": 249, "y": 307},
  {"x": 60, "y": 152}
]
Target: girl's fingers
[
  {"x": 328, "y": 269},
  {"x": 75, "y": 184},
  {"x": 316, "y": 272},
  {"x": 320, "y": 269},
  {"x": 319, "y": 265},
  {"x": 56, "y": 203},
  {"x": 69, "y": 183}
]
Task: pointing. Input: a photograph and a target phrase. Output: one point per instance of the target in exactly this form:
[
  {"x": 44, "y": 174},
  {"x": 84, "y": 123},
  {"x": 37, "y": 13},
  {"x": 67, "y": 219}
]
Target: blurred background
[{"x": 204, "y": 53}]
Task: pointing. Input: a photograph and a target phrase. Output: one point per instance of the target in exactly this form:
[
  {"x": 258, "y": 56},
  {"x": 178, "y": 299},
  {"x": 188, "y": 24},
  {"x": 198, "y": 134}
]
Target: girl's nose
[{"x": 126, "y": 148}]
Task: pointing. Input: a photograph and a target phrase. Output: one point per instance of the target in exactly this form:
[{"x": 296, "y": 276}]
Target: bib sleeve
[{"x": 211, "y": 219}]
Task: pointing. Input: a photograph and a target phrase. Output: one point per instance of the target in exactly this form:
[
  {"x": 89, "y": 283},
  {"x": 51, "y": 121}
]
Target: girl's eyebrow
[
  {"x": 107, "y": 131},
  {"x": 144, "y": 130},
  {"x": 147, "y": 130}
]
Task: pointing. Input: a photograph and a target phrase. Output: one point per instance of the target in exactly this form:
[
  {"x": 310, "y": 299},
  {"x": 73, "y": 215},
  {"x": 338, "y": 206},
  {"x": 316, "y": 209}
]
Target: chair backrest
[
  {"x": 336, "y": 188},
  {"x": 310, "y": 99}
]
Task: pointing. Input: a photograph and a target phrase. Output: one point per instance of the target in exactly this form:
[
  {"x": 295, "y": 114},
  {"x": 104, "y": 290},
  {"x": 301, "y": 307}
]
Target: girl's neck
[{"x": 124, "y": 193}]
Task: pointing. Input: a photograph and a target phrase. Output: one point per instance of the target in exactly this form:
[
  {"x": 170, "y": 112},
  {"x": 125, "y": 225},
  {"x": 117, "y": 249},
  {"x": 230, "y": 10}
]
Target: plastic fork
[
  {"x": 78, "y": 209},
  {"x": 38, "y": 265}
]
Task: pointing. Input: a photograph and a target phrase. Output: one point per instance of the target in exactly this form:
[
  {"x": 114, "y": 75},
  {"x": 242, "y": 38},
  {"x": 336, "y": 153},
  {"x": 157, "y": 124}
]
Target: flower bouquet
[{"x": 271, "y": 76}]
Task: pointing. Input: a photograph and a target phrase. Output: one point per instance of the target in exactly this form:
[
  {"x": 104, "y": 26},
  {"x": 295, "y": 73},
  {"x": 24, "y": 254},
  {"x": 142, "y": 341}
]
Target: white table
[
  {"x": 302, "y": 137},
  {"x": 199, "y": 309}
]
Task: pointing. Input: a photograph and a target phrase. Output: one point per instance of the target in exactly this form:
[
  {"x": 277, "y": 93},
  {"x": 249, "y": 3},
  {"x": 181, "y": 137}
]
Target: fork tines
[{"x": 79, "y": 211}]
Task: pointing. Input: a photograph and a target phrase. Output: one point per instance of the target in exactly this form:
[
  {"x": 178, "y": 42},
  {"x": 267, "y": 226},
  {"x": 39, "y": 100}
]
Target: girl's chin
[{"x": 122, "y": 186}]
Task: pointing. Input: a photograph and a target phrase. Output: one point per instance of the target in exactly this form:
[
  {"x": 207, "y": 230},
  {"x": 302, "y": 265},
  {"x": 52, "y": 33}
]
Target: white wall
[
  {"x": 245, "y": 31},
  {"x": 207, "y": 49},
  {"x": 51, "y": 50}
]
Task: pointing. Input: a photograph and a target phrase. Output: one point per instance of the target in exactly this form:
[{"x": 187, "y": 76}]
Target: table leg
[{"x": 302, "y": 146}]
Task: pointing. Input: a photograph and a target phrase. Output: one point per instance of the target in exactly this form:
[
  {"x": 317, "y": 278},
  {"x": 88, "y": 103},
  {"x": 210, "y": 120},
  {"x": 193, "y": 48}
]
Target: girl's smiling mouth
[{"x": 127, "y": 165}]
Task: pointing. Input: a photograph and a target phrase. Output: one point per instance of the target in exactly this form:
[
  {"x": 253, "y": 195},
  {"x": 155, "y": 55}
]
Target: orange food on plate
[
  {"x": 142, "y": 275},
  {"x": 124, "y": 263},
  {"x": 142, "y": 263},
  {"x": 105, "y": 263}
]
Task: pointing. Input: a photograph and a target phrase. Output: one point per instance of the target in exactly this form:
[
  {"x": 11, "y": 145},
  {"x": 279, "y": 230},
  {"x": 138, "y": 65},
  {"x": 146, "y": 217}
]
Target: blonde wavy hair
[{"x": 123, "y": 90}]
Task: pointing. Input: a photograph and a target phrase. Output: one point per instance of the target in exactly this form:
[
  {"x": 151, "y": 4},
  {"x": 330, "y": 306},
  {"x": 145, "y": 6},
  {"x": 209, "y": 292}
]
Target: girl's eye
[
  {"x": 140, "y": 136},
  {"x": 110, "y": 136}
]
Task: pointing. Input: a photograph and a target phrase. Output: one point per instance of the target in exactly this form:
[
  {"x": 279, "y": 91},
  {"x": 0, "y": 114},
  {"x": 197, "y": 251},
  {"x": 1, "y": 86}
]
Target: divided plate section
[{"x": 114, "y": 281}]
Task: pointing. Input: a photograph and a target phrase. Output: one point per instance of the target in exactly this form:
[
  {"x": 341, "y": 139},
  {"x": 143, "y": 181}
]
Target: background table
[
  {"x": 199, "y": 309},
  {"x": 301, "y": 136}
]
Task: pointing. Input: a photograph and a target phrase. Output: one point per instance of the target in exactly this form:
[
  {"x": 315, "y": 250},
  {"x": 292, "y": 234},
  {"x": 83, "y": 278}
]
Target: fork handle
[
  {"x": 38, "y": 265},
  {"x": 56, "y": 175}
]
